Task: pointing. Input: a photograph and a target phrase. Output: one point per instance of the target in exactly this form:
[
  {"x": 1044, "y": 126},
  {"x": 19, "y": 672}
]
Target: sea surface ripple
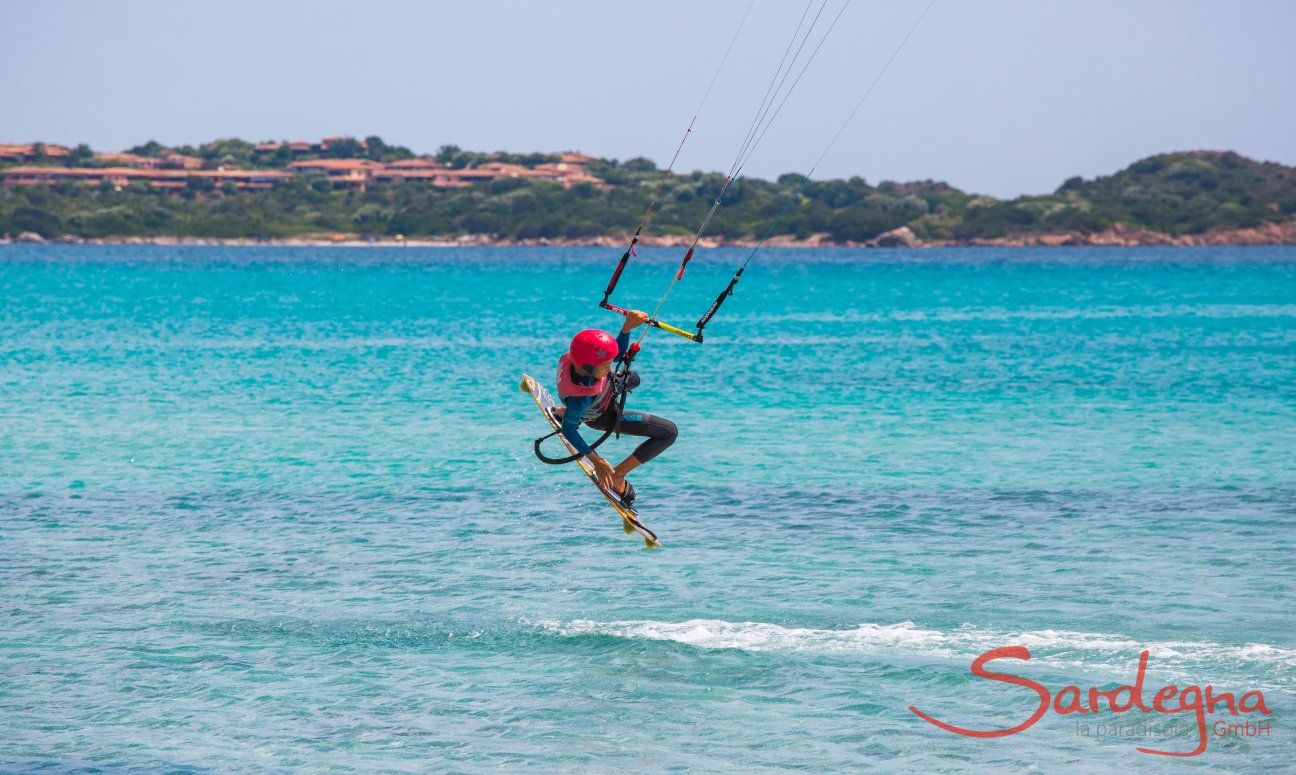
[{"x": 271, "y": 509}]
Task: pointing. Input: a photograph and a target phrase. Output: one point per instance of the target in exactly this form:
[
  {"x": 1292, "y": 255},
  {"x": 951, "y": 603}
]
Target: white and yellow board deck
[{"x": 629, "y": 517}]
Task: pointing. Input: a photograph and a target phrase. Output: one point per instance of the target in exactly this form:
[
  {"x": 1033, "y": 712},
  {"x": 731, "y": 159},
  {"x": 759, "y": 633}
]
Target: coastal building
[
  {"x": 569, "y": 173},
  {"x": 558, "y": 168},
  {"x": 257, "y": 180},
  {"x": 177, "y": 171},
  {"x": 350, "y": 174},
  {"x": 27, "y": 176},
  {"x": 328, "y": 142},
  {"x": 121, "y": 176},
  {"x": 181, "y": 161},
  {"x": 417, "y": 163},
  {"x": 506, "y": 170},
  {"x": 29, "y": 151},
  {"x": 437, "y": 178},
  {"x": 576, "y": 157},
  {"x": 302, "y": 147},
  {"x": 584, "y": 177},
  {"x": 427, "y": 172},
  {"x": 127, "y": 160},
  {"x": 296, "y": 147},
  {"x": 170, "y": 161}
]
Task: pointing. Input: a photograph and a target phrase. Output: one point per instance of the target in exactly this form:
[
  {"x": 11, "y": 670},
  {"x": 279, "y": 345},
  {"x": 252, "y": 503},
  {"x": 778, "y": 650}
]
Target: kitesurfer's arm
[
  {"x": 633, "y": 320},
  {"x": 606, "y": 473},
  {"x": 623, "y": 341},
  {"x": 574, "y": 410}
]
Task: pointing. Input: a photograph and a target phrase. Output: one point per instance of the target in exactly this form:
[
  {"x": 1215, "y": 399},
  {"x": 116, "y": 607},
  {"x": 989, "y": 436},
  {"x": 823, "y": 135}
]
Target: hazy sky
[{"x": 995, "y": 96}]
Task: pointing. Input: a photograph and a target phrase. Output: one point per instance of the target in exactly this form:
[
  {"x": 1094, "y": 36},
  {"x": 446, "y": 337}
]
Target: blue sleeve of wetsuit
[
  {"x": 623, "y": 345},
  {"x": 576, "y": 406}
]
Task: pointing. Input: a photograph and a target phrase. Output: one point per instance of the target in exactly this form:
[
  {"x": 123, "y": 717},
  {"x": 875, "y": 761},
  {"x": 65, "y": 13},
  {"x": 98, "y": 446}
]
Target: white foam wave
[
  {"x": 754, "y": 636},
  {"x": 1051, "y": 647}
]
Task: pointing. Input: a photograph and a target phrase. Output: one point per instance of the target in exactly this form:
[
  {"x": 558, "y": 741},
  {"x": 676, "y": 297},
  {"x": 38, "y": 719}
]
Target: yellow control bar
[{"x": 655, "y": 323}]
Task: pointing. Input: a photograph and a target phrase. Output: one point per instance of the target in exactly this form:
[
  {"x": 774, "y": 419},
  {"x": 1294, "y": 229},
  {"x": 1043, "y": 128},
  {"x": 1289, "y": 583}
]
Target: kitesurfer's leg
[
  {"x": 660, "y": 433},
  {"x": 625, "y": 467}
]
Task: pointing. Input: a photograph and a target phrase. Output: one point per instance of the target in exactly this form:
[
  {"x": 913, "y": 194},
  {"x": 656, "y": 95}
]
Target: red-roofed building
[
  {"x": 475, "y": 174},
  {"x": 568, "y": 174},
  {"x": 121, "y": 176},
  {"x": 327, "y": 141},
  {"x": 429, "y": 173},
  {"x": 296, "y": 148},
  {"x": 181, "y": 161},
  {"x": 506, "y": 170},
  {"x": 418, "y": 163},
  {"x": 253, "y": 179},
  {"x": 27, "y": 151},
  {"x": 354, "y": 174},
  {"x": 128, "y": 160},
  {"x": 576, "y": 157},
  {"x": 560, "y": 169},
  {"x": 15, "y": 152},
  {"x": 583, "y": 177},
  {"x": 24, "y": 176},
  {"x": 438, "y": 178}
]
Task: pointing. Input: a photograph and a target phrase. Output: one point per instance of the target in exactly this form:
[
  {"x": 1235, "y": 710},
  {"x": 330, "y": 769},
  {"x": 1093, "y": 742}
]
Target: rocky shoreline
[{"x": 1118, "y": 236}]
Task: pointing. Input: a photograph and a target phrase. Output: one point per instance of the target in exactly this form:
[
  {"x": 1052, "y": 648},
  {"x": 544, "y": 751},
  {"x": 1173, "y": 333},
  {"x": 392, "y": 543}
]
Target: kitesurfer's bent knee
[{"x": 660, "y": 432}]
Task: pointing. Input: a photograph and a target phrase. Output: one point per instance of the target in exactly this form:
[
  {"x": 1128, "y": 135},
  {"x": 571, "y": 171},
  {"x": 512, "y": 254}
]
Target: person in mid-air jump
[{"x": 585, "y": 389}]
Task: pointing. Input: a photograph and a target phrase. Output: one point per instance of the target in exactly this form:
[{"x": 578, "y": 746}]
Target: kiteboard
[{"x": 629, "y": 516}]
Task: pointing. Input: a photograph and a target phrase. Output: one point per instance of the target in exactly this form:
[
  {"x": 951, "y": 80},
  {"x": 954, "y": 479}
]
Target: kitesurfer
[{"x": 585, "y": 386}]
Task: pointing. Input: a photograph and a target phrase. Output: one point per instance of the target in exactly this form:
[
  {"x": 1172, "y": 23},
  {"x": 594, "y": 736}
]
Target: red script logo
[{"x": 1168, "y": 700}]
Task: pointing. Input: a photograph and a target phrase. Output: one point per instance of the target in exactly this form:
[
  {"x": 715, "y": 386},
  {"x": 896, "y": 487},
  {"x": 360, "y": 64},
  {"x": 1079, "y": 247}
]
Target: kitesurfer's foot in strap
[
  {"x": 619, "y": 483},
  {"x": 625, "y": 491}
]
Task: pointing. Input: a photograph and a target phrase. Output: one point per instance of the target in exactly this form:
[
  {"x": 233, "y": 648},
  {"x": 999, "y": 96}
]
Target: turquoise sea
[{"x": 276, "y": 509}]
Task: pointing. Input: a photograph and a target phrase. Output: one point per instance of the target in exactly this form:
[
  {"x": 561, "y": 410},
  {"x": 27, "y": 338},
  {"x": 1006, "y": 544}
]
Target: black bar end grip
[
  {"x": 715, "y": 305},
  {"x": 616, "y": 276}
]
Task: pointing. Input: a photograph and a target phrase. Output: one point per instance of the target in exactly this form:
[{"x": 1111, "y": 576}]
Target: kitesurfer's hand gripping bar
[{"x": 622, "y": 311}]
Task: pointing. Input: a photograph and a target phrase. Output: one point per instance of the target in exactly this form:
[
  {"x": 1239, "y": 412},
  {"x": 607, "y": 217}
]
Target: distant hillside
[
  {"x": 389, "y": 191},
  {"x": 1174, "y": 193}
]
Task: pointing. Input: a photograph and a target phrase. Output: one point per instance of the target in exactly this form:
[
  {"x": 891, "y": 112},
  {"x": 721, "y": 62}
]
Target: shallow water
[{"x": 277, "y": 509}]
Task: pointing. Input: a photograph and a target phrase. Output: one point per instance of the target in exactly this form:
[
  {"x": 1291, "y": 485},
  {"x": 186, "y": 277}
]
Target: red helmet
[{"x": 592, "y": 347}]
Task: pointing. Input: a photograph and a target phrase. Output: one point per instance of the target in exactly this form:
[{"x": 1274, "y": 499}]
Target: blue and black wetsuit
[{"x": 660, "y": 433}]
